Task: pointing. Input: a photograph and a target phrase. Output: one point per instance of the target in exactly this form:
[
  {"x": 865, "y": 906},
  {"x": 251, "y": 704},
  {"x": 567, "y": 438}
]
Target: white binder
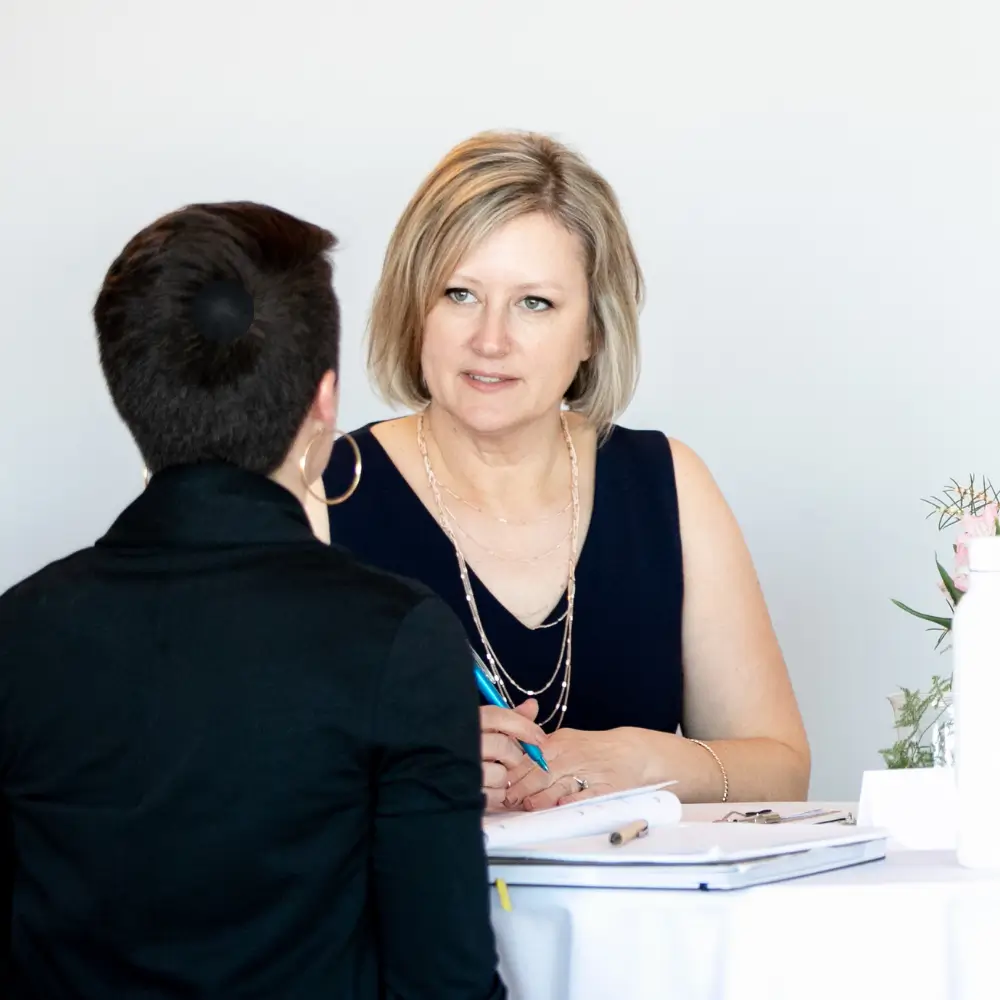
[{"x": 673, "y": 855}]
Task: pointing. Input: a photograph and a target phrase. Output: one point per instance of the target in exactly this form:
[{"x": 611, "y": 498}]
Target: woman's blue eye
[
  {"x": 535, "y": 304},
  {"x": 460, "y": 295}
]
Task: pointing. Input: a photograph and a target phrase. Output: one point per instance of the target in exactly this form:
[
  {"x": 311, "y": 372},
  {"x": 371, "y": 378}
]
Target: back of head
[
  {"x": 481, "y": 184},
  {"x": 215, "y": 326}
]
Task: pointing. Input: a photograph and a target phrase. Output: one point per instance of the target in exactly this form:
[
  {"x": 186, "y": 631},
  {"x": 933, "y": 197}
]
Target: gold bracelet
[{"x": 722, "y": 768}]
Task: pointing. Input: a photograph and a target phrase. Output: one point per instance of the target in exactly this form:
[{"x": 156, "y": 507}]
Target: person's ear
[{"x": 326, "y": 401}]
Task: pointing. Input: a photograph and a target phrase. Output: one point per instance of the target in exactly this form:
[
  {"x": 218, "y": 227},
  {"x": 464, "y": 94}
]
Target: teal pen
[{"x": 492, "y": 695}]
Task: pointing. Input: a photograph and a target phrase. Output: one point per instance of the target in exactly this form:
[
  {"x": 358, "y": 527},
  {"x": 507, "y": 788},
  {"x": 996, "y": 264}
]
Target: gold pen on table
[{"x": 631, "y": 831}]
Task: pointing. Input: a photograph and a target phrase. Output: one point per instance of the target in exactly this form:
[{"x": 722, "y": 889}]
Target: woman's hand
[
  {"x": 609, "y": 761},
  {"x": 501, "y": 752}
]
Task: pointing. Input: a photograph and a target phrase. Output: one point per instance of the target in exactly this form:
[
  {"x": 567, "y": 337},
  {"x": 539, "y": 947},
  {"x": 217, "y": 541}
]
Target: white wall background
[{"x": 813, "y": 188}]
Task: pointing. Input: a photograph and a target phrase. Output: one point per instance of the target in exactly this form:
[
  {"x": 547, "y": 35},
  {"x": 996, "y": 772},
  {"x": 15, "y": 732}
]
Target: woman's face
[{"x": 509, "y": 330}]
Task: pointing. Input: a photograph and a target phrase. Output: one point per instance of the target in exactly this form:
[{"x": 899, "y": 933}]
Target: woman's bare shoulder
[
  {"x": 689, "y": 467},
  {"x": 393, "y": 434}
]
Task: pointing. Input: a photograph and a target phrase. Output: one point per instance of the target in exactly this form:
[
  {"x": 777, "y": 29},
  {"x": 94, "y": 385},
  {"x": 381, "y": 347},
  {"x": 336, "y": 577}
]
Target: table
[{"x": 913, "y": 927}]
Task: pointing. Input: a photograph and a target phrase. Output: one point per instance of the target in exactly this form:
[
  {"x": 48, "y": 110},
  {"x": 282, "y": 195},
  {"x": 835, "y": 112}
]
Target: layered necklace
[{"x": 564, "y": 663}]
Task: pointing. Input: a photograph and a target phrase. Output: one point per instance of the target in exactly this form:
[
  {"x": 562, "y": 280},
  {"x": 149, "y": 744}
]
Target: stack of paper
[{"x": 570, "y": 846}]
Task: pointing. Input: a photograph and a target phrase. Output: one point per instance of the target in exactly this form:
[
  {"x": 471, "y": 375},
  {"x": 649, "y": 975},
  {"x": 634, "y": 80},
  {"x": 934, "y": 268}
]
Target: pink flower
[{"x": 981, "y": 525}]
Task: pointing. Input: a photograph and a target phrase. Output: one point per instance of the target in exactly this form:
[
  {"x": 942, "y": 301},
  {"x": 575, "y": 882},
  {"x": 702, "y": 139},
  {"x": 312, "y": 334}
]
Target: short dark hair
[{"x": 189, "y": 399}]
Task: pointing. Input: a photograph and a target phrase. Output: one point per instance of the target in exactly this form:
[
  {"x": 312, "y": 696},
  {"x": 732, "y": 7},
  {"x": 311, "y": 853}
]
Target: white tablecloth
[{"x": 913, "y": 927}]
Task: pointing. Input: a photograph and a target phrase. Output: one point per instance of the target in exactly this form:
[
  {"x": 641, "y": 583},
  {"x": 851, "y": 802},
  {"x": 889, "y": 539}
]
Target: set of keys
[{"x": 770, "y": 816}]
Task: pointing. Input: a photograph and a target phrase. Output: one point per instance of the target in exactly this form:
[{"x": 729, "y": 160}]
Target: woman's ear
[{"x": 326, "y": 401}]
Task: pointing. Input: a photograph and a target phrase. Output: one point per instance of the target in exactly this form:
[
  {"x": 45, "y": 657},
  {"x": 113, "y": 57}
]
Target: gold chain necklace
[
  {"x": 506, "y": 556},
  {"x": 564, "y": 663},
  {"x": 505, "y": 520}
]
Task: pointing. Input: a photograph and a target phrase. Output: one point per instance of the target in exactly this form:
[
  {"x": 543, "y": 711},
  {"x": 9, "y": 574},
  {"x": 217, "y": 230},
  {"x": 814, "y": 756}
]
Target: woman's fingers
[
  {"x": 503, "y": 731},
  {"x": 587, "y": 793},
  {"x": 512, "y": 723},
  {"x": 495, "y": 776},
  {"x": 494, "y": 799},
  {"x": 502, "y": 749},
  {"x": 562, "y": 788},
  {"x": 531, "y": 782}
]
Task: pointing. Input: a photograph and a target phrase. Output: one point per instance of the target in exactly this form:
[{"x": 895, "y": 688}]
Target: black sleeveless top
[{"x": 629, "y": 580}]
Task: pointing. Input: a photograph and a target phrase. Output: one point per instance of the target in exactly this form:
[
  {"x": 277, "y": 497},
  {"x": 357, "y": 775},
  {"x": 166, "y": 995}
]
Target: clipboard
[{"x": 691, "y": 856}]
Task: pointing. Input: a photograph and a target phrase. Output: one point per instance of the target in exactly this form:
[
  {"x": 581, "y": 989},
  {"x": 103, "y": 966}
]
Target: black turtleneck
[{"x": 236, "y": 763}]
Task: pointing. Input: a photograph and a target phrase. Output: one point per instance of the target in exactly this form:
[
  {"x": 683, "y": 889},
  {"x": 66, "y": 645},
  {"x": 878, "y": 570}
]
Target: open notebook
[
  {"x": 569, "y": 846},
  {"x": 600, "y": 814}
]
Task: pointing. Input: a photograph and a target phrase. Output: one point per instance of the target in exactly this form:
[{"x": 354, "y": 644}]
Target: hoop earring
[{"x": 346, "y": 495}]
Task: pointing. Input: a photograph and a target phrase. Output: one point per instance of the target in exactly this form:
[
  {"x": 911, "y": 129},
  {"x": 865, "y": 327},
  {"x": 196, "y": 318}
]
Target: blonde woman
[{"x": 598, "y": 570}]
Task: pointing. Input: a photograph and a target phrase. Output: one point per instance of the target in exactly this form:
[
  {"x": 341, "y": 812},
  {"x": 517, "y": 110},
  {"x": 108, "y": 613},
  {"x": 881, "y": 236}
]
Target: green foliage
[
  {"x": 959, "y": 500},
  {"x": 920, "y": 711},
  {"x": 917, "y": 715}
]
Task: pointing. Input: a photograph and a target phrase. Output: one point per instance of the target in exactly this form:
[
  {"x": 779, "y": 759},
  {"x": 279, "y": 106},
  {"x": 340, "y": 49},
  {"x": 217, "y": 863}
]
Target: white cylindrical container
[{"x": 976, "y": 698}]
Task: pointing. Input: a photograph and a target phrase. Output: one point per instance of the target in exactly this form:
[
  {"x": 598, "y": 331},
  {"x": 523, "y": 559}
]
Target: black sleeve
[
  {"x": 6, "y": 892},
  {"x": 435, "y": 936},
  {"x": 6, "y": 822}
]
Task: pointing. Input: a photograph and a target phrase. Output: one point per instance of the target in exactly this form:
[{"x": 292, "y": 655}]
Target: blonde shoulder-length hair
[{"x": 481, "y": 184}]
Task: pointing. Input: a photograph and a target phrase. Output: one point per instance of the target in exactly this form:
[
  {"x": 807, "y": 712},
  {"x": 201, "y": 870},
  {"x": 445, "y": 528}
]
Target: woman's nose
[{"x": 492, "y": 338}]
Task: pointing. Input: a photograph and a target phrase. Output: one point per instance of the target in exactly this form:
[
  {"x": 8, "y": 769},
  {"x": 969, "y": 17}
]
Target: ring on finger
[{"x": 581, "y": 783}]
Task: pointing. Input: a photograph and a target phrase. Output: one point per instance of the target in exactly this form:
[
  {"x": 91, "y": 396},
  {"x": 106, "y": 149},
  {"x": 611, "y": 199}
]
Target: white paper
[
  {"x": 692, "y": 843},
  {"x": 601, "y": 814}
]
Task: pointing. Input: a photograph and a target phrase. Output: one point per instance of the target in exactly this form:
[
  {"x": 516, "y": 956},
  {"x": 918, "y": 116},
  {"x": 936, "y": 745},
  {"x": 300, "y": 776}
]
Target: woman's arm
[
  {"x": 737, "y": 695},
  {"x": 432, "y": 897}
]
